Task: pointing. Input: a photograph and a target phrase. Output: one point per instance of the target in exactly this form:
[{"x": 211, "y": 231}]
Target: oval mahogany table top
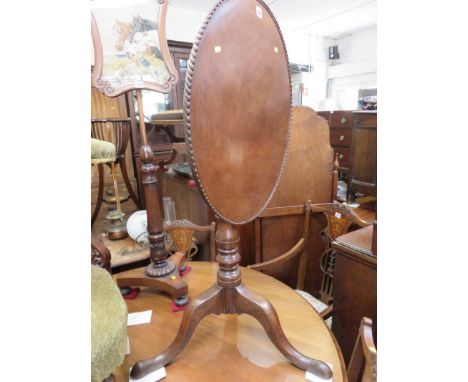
[
  {"x": 231, "y": 347},
  {"x": 237, "y": 108}
]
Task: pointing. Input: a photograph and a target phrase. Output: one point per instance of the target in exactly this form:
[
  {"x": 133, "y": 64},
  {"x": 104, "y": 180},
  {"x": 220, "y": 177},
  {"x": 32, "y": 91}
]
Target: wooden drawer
[
  {"x": 341, "y": 119},
  {"x": 340, "y": 137},
  {"x": 343, "y": 155}
]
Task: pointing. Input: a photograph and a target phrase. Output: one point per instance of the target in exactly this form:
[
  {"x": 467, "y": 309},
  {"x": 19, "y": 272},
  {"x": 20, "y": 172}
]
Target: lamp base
[{"x": 117, "y": 234}]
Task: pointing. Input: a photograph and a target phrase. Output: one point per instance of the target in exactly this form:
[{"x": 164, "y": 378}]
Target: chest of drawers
[
  {"x": 353, "y": 135},
  {"x": 341, "y": 123}
]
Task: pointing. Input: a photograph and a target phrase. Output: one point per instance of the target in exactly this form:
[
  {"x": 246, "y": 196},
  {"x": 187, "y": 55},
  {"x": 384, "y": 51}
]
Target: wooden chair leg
[
  {"x": 116, "y": 188},
  {"x": 123, "y": 170},
  {"x": 200, "y": 307},
  {"x": 262, "y": 310},
  {"x": 100, "y": 193}
]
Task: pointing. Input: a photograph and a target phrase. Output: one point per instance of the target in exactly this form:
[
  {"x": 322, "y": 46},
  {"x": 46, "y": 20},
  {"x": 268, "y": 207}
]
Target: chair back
[
  {"x": 310, "y": 173},
  {"x": 362, "y": 366},
  {"x": 181, "y": 232},
  {"x": 300, "y": 249},
  {"x": 340, "y": 218},
  {"x": 114, "y": 130}
]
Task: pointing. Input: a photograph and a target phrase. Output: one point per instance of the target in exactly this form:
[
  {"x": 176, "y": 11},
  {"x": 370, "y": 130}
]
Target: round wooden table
[{"x": 231, "y": 347}]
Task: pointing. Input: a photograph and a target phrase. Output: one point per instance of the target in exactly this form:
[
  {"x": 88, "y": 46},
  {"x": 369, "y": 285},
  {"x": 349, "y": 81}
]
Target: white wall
[
  {"x": 312, "y": 50},
  {"x": 358, "y": 54},
  {"x": 296, "y": 45},
  {"x": 183, "y": 24},
  {"x": 316, "y": 86},
  {"x": 357, "y": 70},
  {"x": 360, "y": 46}
]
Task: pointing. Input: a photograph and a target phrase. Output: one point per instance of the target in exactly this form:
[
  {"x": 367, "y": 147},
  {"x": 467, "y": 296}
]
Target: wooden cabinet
[
  {"x": 341, "y": 119},
  {"x": 340, "y": 124},
  {"x": 353, "y": 135},
  {"x": 340, "y": 137},
  {"x": 362, "y": 175},
  {"x": 343, "y": 157},
  {"x": 355, "y": 286}
]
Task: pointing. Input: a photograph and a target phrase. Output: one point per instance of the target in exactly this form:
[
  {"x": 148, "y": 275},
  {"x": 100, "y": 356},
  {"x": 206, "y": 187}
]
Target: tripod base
[
  {"x": 171, "y": 283},
  {"x": 238, "y": 300},
  {"x": 230, "y": 296}
]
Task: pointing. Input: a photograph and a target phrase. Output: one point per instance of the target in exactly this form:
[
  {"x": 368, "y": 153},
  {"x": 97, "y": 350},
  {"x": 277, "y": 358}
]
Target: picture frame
[{"x": 130, "y": 46}]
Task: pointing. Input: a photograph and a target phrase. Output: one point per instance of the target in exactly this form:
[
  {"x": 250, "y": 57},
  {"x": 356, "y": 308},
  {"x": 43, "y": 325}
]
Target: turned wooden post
[
  {"x": 159, "y": 265},
  {"x": 162, "y": 272},
  {"x": 228, "y": 258}
]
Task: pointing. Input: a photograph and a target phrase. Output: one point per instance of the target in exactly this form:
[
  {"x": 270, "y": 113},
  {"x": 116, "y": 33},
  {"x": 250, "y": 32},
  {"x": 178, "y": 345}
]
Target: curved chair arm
[
  {"x": 182, "y": 231},
  {"x": 367, "y": 339},
  {"x": 185, "y": 224},
  {"x": 364, "y": 355},
  {"x": 294, "y": 251},
  {"x": 340, "y": 208}
]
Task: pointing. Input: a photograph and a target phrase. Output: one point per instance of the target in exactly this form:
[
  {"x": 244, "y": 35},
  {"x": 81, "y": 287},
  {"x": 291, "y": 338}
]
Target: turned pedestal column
[{"x": 161, "y": 273}]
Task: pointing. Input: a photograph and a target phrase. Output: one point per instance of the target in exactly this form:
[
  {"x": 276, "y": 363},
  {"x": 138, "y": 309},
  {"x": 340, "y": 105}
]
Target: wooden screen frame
[{"x": 109, "y": 90}]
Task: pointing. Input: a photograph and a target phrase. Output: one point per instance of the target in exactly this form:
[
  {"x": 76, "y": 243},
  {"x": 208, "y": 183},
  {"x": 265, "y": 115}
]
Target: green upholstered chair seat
[
  {"x": 108, "y": 325},
  {"x": 102, "y": 151}
]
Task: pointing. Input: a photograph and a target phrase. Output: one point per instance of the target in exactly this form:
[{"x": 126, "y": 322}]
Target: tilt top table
[
  {"x": 231, "y": 347},
  {"x": 236, "y": 156}
]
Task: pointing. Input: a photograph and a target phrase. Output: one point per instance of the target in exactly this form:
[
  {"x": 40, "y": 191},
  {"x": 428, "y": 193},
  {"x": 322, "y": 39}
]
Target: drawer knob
[
  {"x": 343, "y": 120},
  {"x": 340, "y": 156},
  {"x": 341, "y": 137}
]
